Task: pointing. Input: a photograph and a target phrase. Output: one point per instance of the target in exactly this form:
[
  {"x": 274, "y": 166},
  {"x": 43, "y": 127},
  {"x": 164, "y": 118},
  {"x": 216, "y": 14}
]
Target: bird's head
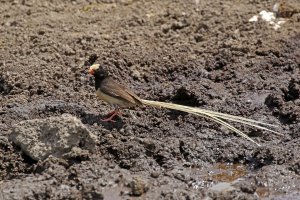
[{"x": 97, "y": 71}]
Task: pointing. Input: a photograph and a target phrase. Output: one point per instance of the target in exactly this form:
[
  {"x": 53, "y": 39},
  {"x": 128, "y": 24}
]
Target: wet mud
[{"x": 197, "y": 53}]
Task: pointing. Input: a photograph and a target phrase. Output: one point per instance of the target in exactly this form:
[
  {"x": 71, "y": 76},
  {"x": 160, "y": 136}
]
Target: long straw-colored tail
[{"x": 216, "y": 117}]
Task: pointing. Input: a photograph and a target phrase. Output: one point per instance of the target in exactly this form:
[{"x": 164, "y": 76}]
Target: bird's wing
[{"x": 111, "y": 88}]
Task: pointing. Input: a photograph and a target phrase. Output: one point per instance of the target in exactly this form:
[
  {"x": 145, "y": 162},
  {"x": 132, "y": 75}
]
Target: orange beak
[{"x": 91, "y": 71}]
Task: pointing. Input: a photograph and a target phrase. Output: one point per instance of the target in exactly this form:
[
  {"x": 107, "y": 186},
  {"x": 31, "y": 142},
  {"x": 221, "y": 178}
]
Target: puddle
[
  {"x": 228, "y": 172},
  {"x": 220, "y": 172}
]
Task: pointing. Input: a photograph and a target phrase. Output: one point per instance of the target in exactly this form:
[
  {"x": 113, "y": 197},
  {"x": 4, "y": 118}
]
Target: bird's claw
[
  {"x": 112, "y": 115},
  {"x": 108, "y": 120}
]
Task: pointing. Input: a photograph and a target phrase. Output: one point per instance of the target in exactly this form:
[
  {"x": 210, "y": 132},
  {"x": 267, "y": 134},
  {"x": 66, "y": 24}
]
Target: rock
[
  {"x": 237, "y": 189},
  {"x": 138, "y": 187},
  {"x": 222, "y": 190},
  {"x": 56, "y": 136},
  {"x": 155, "y": 174},
  {"x": 285, "y": 10},
  {"x": 68, "y": 50},
  {"x": 221, "y": 187}
]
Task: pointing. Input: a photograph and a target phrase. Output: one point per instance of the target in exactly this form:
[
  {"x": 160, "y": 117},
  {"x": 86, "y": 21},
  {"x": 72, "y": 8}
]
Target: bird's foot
[
  {"x": 108, "y": 120},
  {"x": 111, "y": 116}
]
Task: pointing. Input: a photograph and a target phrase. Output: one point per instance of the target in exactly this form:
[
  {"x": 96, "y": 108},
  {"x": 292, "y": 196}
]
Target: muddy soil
[{"x": 198, "y": 53}]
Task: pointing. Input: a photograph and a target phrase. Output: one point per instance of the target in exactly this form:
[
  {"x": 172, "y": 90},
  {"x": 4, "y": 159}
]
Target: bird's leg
[
  {"x": 112, "y": 112},
  {"x": 112, "y": 115}
]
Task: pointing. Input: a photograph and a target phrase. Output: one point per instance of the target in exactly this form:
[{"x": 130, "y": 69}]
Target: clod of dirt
[
  {"x": 16, "y": 164},
  {"x": 91, "y": 192},
  {"x": 92, "y": 59},
  {"x": 56, "y": 136},
  {"x": 274, "y": 101},
  {"x": 285, "y": 10},
  {"x": 185, "y": 97},
  {"x": 289, "y": 113},
  {"x": 295, "y": 166},
  {"x": 5, "y": 88},
  {"x": 138, "y": 187},
  {"x": 293, "y": 91}
]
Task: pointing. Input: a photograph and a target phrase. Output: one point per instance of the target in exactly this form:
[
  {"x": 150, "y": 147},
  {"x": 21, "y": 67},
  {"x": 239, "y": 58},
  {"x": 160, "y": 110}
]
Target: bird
[
  {"x": 118, "y": 95},
  {"x": 112, "y": 92}
]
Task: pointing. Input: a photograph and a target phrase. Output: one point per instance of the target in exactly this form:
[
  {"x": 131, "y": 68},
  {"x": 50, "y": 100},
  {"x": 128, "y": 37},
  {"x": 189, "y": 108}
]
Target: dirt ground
[{"x": 198, "y": 53}]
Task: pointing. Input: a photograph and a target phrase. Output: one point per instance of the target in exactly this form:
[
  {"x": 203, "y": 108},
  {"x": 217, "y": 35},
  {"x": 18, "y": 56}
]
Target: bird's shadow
[
  {"x": 90, "y": 118},
  {"x": 174, "y": 114}
]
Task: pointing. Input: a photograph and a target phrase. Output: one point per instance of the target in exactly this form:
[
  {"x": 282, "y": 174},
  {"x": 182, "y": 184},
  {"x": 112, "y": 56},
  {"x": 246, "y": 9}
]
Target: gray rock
[
  {"x": 138, "y": 186},
  {"x": 221, "y": 187},
  {"x": 224, "y": 190},
  {"x": 56, "y": 136}
]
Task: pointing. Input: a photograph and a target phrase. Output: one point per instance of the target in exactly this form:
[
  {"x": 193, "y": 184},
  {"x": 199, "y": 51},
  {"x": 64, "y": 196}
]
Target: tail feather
[{"x": 216, "y": 117}]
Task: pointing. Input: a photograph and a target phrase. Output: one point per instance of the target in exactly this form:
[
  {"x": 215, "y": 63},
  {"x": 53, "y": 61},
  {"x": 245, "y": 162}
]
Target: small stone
[
  {"x": 223, "y": 186},
  {"x": 138, "y": 187},
  {"x": 155, "y": 174},
  {"x": 136, "y": 74},
  {"x": 68, "y": 50},
  {"x": 198, "y": 37}
]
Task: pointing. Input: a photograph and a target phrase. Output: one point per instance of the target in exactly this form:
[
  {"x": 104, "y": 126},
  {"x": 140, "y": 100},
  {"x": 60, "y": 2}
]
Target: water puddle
[{"x": 228, "y": 172}]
